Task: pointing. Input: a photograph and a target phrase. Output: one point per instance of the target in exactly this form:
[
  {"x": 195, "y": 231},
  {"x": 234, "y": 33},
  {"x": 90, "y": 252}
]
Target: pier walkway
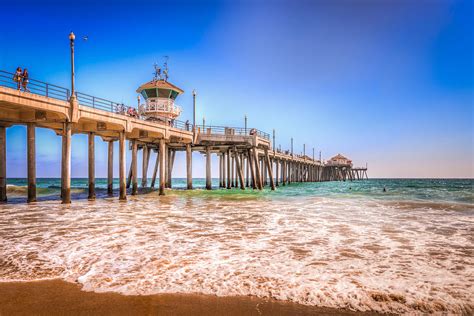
[{"x": 246, "y": 155}]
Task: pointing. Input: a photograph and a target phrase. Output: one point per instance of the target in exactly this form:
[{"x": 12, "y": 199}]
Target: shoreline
[{"x": 53, "y": 297}]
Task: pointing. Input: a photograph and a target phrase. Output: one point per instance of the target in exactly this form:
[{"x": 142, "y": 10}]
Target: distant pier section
[{"x": 247, "y": 158}]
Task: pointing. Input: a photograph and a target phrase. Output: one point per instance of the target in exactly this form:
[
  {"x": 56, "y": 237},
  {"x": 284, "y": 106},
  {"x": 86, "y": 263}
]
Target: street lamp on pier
[
  {"x": 194, "y": 110},
  {"x": 72, "y": 37},
  {"x": 274, "y": 146},
  {"x": 245, "y": 119},
  {"x": 291, "y": 146}
]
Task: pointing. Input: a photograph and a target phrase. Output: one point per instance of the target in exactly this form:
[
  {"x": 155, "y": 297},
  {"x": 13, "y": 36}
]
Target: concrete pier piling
[
  {"x": 31, "y": 157},
  {"x": 155, "y": 169},
  {"x": 66, "y": 164},
  {"x": 110, "y": 168},
  {"x": 122, "y": 184},
  {"x": 3, "y": 164},
  {"x": 134, "y": 167},
  {"x": 228, "y": 170},
  {"x": 91, "y": 165},
  {"x": 208, "y": 169},
  {"x": 145, "y": 161},
  {"x": 189, "y": 167},
  {"x": 162, "y": 153}
]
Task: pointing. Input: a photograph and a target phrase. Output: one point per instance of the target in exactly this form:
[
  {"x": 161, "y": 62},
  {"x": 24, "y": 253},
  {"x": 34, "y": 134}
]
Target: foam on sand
[{"x": 360, "y": 254}]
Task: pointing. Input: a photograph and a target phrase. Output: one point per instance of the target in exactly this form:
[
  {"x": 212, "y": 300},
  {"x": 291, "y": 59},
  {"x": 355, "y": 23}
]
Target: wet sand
[{"x": 56, "y": 297}]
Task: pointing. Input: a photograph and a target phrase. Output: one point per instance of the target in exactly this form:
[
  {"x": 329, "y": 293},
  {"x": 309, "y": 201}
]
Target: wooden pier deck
[{"x": 246, "y": 156}]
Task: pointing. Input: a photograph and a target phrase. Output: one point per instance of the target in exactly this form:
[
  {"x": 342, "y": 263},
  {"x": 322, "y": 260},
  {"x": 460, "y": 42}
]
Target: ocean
[{"x": 408, "y": 249}]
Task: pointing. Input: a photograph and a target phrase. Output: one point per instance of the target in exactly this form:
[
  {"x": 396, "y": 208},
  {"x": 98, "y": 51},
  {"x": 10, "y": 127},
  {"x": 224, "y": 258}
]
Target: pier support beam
[
  {"x": 283, "y": 172},
  {"x": 163, "y": 151},
  {"x": 264, "y": 172},
  {"x": 189, "y": 167},
  {"x": 66, "y": 164},
  {"x": 221, "y": 173},
  {"x": 223, "y": 170},
  {"x": 246, "y": 160},
  {"x": 31, "y": 153},
  {"x": 129, "y": 178},
  {"x": 145, "y": 162},
  {"x": 169, "y": 169},
  {"x": 122, "y": 184},
  {"x": 232, "y": 170},
  {"x": 258, "y": 174},
  {"x": 208, "y": 169},
  {"x": 110, "y": 168},
  {"x": 228, "y": 169},
  {"x": 3, "y": 164},
  {"x": 240, "y": 172},
  {"x": 277, "y": 169},
  {"x": 155, "y": 170},
  {"x": 91, "y": 165},
  {"x": 134, "y": 168},
  {"x": 252, "y": 169},
  {"x": 270, "y": 170}
]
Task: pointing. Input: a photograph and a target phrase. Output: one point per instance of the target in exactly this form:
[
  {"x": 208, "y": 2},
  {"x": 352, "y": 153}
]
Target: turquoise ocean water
[{"x": 430, "y": 190}]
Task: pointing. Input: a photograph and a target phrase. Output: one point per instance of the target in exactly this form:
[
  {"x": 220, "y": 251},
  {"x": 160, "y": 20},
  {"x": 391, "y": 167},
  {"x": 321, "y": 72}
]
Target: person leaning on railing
[
  {"x": 17, "y": 78},
  {"x": 25, "y": 80}
]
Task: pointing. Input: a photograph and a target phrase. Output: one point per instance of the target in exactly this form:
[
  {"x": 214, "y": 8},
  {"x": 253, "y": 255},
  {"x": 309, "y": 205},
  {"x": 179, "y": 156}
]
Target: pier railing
[
  {"x": 7, "y": 79},
  {"x": 225, "y": 130},
  {"x": 99, "y": 103}
]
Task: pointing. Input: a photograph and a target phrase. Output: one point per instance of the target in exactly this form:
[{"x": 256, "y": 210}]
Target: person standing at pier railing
[
  {"x": 17, "y": 78},
  {"x": 25, "y": 80}
]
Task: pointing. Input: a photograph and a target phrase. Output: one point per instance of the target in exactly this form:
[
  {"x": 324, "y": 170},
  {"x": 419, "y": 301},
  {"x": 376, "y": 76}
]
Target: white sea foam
[{"x": 352, "y": 253}]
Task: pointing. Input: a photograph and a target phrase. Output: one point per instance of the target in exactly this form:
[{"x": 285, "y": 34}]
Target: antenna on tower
[
  {"x": 165, "y": 66},
  {"x": 157, "y": 74}
]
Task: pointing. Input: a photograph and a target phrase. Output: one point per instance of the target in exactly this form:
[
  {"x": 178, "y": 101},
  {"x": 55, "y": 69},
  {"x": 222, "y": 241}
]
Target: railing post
[
  {"x": 47, "y": 90},
  {"x": 93, "y": 102}
]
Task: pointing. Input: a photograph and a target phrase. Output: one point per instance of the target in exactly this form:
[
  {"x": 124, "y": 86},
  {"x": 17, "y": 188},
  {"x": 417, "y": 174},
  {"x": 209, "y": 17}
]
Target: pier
[{"x": 247, "y": 157}]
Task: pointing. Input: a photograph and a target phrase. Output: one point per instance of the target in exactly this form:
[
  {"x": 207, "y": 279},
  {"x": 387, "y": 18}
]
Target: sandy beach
[{"x": 56, "y": 297}]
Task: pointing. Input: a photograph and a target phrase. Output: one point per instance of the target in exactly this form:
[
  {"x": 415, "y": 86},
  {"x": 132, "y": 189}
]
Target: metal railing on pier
[
  {"x": 223, "y": 130},
  {"x": 7, "y": 79}
]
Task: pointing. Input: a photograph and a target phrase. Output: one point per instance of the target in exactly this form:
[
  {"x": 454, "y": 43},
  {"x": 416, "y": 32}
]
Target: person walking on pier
[
  {"x": 17, "y": 78},
  {"x": 25, "y": 80}
]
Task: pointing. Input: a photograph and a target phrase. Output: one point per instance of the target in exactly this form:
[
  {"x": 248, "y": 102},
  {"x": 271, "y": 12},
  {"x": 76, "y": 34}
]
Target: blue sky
[{"x": 389, "y": 83}]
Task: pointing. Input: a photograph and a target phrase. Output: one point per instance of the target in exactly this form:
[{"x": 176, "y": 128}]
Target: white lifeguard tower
[{"x": 159, "y": 95}]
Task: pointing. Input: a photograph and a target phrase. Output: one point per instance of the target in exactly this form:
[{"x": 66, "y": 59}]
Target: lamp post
[
  {"x": 203, "y": 123},
  {"x": 194, "y": 110},
  {"x": 320, "y": 157},
  {"x": 291, "y": 146},
  {"x": 313, "y": 153},
  {"x": 304, "y": 151},
  {"x": 245, "y": 119},
  {"x": 274, "y": 148},
  {"x": 72, "y": 37}
]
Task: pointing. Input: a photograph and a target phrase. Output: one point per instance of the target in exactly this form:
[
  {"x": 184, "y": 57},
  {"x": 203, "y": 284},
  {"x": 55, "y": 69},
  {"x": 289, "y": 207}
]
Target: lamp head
[{"x": 72, "y": 36}]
